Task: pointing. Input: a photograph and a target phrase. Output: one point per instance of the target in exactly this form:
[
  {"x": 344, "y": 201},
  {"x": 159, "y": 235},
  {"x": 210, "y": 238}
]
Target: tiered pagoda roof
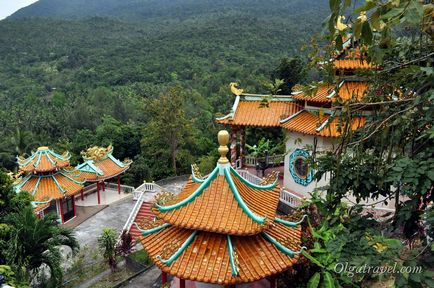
[
  {"x": 351, "y": 57},
  {"x": 310, "y": 113},
  {"x": 221, "y": 229},
  {"x": 99, "y": 164},
  {"x": 326, "y": 93},
  {"x": 47, "y": 176},
  {"x": 312, "y": 123},
  {"x": 250, "y": 110}
]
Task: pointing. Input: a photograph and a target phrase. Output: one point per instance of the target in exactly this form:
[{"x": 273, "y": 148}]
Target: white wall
[{"x": 298, "y": 140}]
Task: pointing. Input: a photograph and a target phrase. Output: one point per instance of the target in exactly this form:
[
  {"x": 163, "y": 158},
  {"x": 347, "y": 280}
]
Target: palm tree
[
  {"x": 19, "y": 143},
  {"x": 35, "y": 243}
]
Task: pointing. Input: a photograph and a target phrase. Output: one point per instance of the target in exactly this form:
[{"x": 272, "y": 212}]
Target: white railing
[
  {"x": 249, "y": 176},
  {"x": 289, "y": 198},
  {"x": 250, "y": 161},
  {"x": 114, "y": 186},
  {"x": 145, "y": 187},
  {"x": 139, "y": 195}
]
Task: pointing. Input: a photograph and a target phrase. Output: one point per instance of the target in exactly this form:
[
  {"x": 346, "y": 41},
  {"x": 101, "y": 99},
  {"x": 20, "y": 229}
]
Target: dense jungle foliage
[{"x": 75, "y": 83}]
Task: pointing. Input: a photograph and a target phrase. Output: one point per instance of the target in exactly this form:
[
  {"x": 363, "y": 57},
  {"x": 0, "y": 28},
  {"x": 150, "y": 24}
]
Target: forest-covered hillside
[
  {"x": 70, "y": 83},
  {"x": 170, "y": 10}
]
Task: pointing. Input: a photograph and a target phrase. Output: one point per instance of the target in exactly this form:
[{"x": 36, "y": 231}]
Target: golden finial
[
  {"x": 223, "y": 138},
  {"x": 235, "y": 89},
  {"x": 43, "y": 148}
]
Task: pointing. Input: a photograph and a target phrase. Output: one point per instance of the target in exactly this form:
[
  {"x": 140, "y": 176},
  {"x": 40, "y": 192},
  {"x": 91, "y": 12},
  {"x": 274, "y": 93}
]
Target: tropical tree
[
  {"x": 169, "y": 127},
  {"x": 291, "y": 71},
  {"x": 34, "y": 244},
  {"x": 392, "y": 155},
  {"x": 107, "y": 245}
]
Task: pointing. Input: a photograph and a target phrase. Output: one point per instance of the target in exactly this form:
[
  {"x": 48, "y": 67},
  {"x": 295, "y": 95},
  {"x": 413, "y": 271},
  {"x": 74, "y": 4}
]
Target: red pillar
[
  {"x": 119, "y": 184},
  {"x": 73, "y": 206},
  {"x": 181, "y": 283},
  {"x": 61, "y": 211},
  {"x": 163, "y": 277},
  {"x": 82, "y": 195},
  {"x": 97, "y": 191}
]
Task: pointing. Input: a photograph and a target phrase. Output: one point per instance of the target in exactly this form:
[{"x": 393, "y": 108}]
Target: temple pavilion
[
  {"x": 100, "y": 165},
  {"x": 310, "y": 117},
  {"x": 48, "y": 177},
  {"x": 221, "y": 229}
]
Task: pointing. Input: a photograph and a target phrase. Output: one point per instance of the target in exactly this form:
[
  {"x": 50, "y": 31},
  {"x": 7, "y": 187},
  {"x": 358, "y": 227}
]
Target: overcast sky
[{"x": 8, "y": 7}]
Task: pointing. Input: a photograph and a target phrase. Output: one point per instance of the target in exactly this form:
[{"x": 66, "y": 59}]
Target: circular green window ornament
[{"x": 299, "y": 167}]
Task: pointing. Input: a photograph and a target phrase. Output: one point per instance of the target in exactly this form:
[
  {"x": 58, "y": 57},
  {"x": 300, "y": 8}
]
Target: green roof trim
[
  {"x": 231, "y": 256},
  {"x": 70, "y": 178},
  {"x": 251, "y": 185},
  {"x": 178, "y": 252},
  {"x": 243, "y": 205},
  {"x": 57, "y": 183},
  {"x": 89, "y": 166},
  {"x": 152, "y": 230},
  {"x": 192, "y": 196},
  {"x": 116, "y": 161},
  {"x": 36, "y": 186},
  {"x": 289, "y": 223},
  {"x": 39, "y": 159},
  {"x": 51, "y": 160},
  {"x": 281, "y": 247}
]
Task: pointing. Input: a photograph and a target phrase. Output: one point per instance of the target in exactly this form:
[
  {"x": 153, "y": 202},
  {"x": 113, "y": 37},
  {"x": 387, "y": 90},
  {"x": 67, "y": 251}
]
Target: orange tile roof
[
  {"x": 43, "y": 160},
  {"x": 218, "y": 202},
  {"x": 111, "y": 168},
  {"x": 207, "y": 258},
  {"x": 353, "y": 89},
  {"x": 320, "y": 95},
  {"x": 349, "y": 64},
  {"x": 349, "y": 90},
  {"x": 51, "y": 186},
  {"x": 221, "y": 229},
  {"x": 249, "y": 113},
  {"x": 102, "y": 168},
  {"x": 307, "y": 123},
  {"x": 41, "y": 207}
]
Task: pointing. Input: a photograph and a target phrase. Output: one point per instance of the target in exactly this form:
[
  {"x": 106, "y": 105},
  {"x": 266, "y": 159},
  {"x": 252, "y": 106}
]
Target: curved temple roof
[
  {"x": 51, "y": 186},
  {"x": 100, "y": 164},
  {"x": 222, "y": 229},
  {"x": 310, "y": 123},
  {"x": 43, "y": 160}
]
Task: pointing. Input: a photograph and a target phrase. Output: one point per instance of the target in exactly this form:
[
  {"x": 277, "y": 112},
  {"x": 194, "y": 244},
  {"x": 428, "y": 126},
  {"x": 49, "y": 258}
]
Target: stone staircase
[{"x": 143, "y": 213}]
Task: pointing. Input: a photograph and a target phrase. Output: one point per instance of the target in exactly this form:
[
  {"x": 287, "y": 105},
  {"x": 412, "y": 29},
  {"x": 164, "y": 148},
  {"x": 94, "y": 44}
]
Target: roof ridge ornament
[
  {"x": 235, "y": 89},
  {"x": 223, "y": 139}
]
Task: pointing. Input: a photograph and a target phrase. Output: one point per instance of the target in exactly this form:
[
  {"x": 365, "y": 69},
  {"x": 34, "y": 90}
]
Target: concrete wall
[{"x": 298, "y": 140}]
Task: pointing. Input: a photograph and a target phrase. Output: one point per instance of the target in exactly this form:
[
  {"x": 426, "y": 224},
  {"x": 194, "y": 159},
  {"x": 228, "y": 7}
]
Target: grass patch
[{"x": 141, "y": 257}]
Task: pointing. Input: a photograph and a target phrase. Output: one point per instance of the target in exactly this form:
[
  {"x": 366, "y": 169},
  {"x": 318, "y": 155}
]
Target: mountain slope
[{"x": 141, "y": 10}]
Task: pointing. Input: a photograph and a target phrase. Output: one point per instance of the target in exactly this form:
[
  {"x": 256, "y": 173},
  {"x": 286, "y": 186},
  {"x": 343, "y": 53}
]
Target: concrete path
[
  {"x": 114, "y": 216},
  {"x": 147, "y": 279}
]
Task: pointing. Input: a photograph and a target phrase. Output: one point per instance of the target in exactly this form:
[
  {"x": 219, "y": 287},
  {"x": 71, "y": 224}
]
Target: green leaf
[
  {"x": 312, "y": 259},
  {"x": 367, "y": 33},
  {"x": 329, "y": 282},
  {"x": 393, "y": 13},
  {"x": 375, "y": 20},
  {"x": 314, "y": 280},
  {"x": 414, "y": 12},
  {"x": 369, "y": 4}
]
